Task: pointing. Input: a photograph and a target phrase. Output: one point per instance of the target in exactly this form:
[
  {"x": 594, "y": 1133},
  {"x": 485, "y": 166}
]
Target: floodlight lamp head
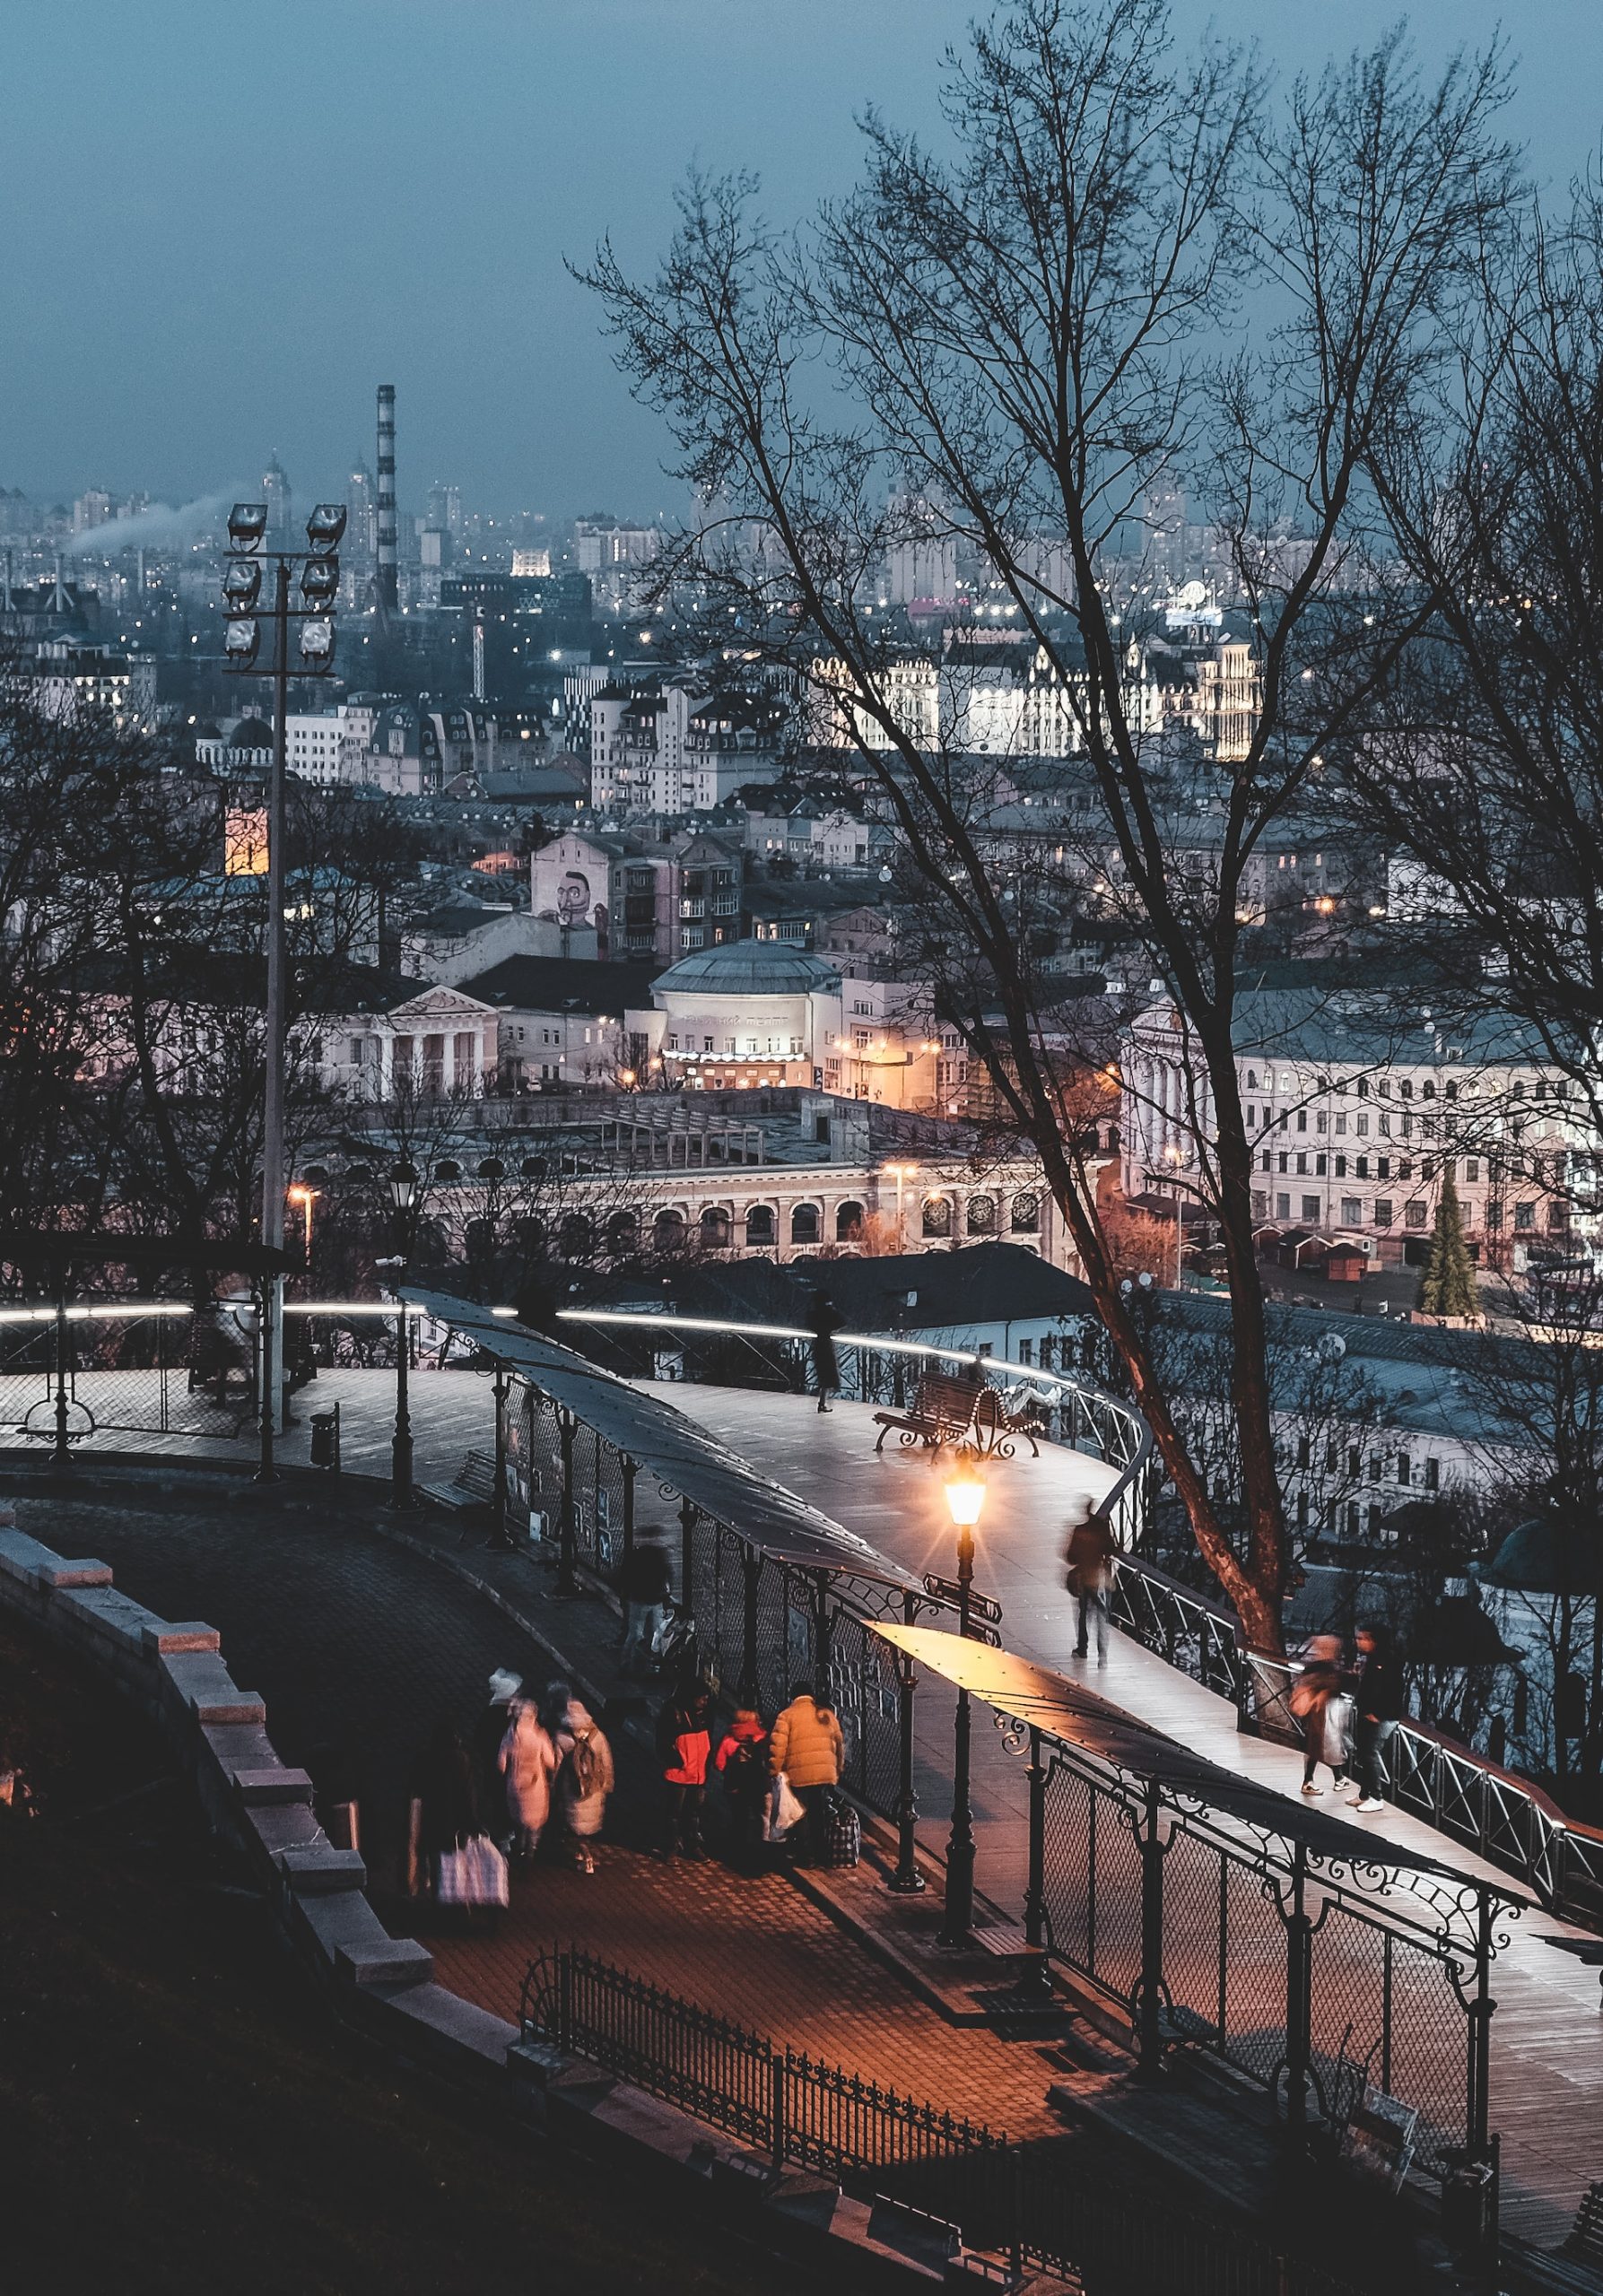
[
  {"x": 241, "y": 641},
  {"x": 319, "y": 581},
  {"x": 241, "y": 584},
  {"x": 246, "y": 525},
  {"x": 317, "y": 643},
  {"x": 325, "y": 527}
]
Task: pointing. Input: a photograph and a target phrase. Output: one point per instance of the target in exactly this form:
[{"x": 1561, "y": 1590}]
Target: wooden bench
[
  {"x": 943, "y": 1411},
  {"x": 474, "y": 1484}
]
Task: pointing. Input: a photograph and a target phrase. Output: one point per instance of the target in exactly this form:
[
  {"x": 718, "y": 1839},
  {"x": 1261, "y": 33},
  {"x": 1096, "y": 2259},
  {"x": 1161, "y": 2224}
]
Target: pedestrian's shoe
[
  {"x": 1081, "y": 1651},
  {"x": 1370, "y": 1802},
  {"x": 1312, "y": 1791}
]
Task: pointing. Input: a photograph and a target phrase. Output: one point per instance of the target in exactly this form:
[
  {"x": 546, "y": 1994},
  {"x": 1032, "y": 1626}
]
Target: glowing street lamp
[{"x": 965, "y": 1500}]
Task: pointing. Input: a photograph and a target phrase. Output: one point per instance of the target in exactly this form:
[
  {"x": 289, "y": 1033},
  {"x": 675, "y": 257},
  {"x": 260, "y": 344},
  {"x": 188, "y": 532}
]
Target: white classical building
[
  {"x": 411, "y": 1036},
  {"x": 1356, "y": 1111}
]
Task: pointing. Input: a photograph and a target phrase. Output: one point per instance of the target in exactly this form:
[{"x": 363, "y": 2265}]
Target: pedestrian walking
[
  {"x": 684, "y": 1745},
  {"x": 741, "y": 1762},
  {"x": 528, "y": 1761},
  {"x": 1089, "y": 1554},
  {"x": 488, "y": 1732},
  {"x": 1380, "y": 1704},
  {"x": 806, "y": 1748},
  {"x": 1319, "y": 1703},
  {"x": 584, "y": 1781},
  {"x": 823, "y": 1322},
  {"x": 644, "y": 1586},
  {"x": 452, "y": 1852}
]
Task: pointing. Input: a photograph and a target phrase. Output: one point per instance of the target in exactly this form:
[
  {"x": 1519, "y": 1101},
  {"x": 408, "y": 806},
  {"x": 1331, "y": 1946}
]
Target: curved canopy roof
[{"x": 714, "y": 1478}]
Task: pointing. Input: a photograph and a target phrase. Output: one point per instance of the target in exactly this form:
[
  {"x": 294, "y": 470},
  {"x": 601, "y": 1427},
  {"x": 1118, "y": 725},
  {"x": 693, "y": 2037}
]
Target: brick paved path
[{"x": 358, "y": 1645}]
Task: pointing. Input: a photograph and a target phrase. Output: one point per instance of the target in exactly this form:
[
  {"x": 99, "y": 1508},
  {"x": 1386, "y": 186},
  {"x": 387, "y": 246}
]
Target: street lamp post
[
  {"x": 402, "y": 1192},
  {"x": 965, "y": 1497},
  {"x": 246, "y": 610},
  {"x": 901, "y": 1173}
]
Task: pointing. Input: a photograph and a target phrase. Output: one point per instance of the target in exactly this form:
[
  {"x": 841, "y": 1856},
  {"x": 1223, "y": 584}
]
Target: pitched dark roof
[{"x": 564, "y": 985}]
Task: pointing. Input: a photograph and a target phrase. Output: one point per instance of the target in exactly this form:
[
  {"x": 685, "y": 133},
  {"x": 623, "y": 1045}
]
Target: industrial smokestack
[{"x": 387, "y": 595}]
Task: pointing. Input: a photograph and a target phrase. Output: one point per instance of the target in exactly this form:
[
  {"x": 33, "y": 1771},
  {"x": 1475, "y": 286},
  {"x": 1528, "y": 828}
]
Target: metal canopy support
[
  {"x": 627, "y": 1469},
  {"x": 906, "y": 1881},
  {"x": 751, "y": 1577},
  {"x": 1299, "y": 1972},
  {"x": 567, "y": 1577},
  {"x": 1149, "y": 2002},
  {"x": 1035, "y": 1889},
  {"x": 687, "y": 1557}
]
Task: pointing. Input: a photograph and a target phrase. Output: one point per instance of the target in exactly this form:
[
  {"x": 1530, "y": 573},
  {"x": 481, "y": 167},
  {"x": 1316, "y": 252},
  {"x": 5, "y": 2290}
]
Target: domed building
[{"x": 745, "y": 1012}]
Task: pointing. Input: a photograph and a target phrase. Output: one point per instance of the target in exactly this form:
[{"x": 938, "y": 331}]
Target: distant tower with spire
[{"x": 275, "y": 494}]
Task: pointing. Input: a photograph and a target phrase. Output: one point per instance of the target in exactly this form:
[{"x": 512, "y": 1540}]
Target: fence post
[
  {"x": 1298, "y": 1942},
  {"x": 1478, "y": 2121},
  {"x": 1150, "y": 2030},
  {"x": 628, "y": 1468},
  {"x": 688, "y": 1558},
  {"x": 906, "y": 1881},
  {"x": 567, "y": 1579},
  {"x": 751, "y": 1566},
  {"x": 565, "y": 2000},
  {"x": 776, "y": 2107},
  {"x": 1036, "y": 1896},
  {"x": 61, "y": 1455},
  {"x": 821, "y": 1633}
]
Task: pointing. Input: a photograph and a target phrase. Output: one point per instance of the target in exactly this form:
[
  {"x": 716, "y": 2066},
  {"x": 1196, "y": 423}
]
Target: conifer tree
[{"x": 1448, "y": 1285}]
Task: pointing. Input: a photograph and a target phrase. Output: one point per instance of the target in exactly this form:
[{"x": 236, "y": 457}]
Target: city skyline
[{"x": 179, "y": 313}]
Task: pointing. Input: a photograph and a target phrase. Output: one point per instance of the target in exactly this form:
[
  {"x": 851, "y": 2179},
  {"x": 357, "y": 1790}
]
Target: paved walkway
[{"x": 358, "y": 1645}]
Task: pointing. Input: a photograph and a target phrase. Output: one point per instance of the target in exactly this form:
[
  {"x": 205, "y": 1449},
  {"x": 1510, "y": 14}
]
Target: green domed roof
[{"x": 750, "y": 969}]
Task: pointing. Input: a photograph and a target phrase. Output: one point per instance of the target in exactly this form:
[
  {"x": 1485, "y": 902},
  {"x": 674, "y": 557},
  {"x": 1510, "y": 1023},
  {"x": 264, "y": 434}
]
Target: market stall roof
[
  {"x": 667, "y": 1444},
  {"x": 1051, "y": 1703}
]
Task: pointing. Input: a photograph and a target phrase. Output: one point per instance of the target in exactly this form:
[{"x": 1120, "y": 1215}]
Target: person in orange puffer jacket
[{"x": 807, "y": 1744}]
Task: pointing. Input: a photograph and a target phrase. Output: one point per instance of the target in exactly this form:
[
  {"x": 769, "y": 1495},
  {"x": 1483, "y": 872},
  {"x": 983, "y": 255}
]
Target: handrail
[{"x": 1066, "y": 1387}]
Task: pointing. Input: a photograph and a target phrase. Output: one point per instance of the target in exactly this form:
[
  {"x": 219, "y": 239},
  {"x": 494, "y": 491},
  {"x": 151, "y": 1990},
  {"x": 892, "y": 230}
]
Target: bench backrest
[
  {"x": 947, "y": 1398},
  {"x": 1586, "y": 2240}
]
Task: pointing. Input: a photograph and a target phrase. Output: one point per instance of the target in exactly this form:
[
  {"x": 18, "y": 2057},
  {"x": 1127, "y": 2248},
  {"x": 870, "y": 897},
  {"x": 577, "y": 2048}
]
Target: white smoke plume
[{"x": 160, "y": 523}]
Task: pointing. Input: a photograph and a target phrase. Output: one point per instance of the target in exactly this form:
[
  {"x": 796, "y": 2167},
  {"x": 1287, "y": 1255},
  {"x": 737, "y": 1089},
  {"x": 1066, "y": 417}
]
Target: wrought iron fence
[
  {"x": 1216, "y": 1934},
  {"x": 152, "y": 1367},
  {"x": 1052, "y": 2204}
]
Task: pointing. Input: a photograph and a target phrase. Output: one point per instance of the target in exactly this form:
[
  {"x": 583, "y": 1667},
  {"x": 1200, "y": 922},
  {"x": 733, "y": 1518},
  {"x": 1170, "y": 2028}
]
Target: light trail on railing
[{"x": 80, "y": 1314}]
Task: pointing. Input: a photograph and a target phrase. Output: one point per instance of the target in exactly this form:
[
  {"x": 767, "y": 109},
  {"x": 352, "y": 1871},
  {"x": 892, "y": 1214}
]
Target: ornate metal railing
[
  {"x": 1050, "y": 2204},
  {"x": 1510, "y": 1821}
]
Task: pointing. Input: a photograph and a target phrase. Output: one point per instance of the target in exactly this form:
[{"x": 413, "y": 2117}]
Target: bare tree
[{"x": 1022, "y": 335}]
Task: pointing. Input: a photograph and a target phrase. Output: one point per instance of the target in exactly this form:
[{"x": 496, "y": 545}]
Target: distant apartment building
[
  {"x": 72, "y": 683},
  {"x": 670, "y": 748},
  {"x": 644, "y": 900},
  {"x": 1356, "y": 1111}
]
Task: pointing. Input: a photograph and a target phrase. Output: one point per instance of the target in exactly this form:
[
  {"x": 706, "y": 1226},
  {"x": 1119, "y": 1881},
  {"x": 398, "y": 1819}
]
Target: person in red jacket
[
  {"x": 742, "y": 1763},
  {"x": 685, "y": 1743}
]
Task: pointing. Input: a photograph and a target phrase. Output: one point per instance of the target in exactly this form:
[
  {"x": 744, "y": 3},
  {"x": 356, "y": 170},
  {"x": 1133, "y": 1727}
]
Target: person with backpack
[
  {"x": 684, "y": 1746},
  {"x": 741, "y": 1762},
  {"x": 584, "y": 1781},
  {"x": 807, "y": 1748},
  {"x": 1319, "y": 1703}
]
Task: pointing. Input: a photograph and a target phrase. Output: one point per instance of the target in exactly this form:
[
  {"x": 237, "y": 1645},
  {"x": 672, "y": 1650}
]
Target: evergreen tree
[{"x": 1448, "y": 1285}]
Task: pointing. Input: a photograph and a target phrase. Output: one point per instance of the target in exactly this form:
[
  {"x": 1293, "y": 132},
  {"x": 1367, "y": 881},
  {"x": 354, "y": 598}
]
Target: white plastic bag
[
  {"x": 784, "y": 1809},
  {"x": 474, "y": 1874}
]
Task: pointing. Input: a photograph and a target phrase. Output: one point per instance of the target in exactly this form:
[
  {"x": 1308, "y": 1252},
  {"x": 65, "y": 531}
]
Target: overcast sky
[{"x": 227, "y": 220}]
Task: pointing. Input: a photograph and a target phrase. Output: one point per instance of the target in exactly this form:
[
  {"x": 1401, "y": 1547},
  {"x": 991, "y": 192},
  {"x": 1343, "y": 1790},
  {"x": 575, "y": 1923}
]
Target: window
[
  {"x": 1414, "y": 1212},
  {"x": 1363, "y": 1127},
  {"x": 1264, "y": 1161},
  {"x": 715, "y": 1228},
  {"x": 1341, "y": 1124},
  {"x": 1525, "y": 1215},
  {"x": 1321, "y": 1165},
  {"x": 1305, "y": 1457},
  {"x": 1433, "y": 1474},
  {"x": 938, "y": 1215},
  {"x": 1026, "y": 1353},
  {"x": 1301, "y": 1119},
  {"x": 1026, "y": 1215},
  {"x": 1405, "y": 1473},
  {"x": 668, "y": 1232},
  {"x": 849, "y": 1223},
  {"x": 759, "y": 1227},
  {"x": 983, "y": 1215},
  {"x": 1283, "y": 1207},
  {"x": 1285, "y": 1159},
  {"x": 1376, "y": 1468},
  {"x": 804, "y": 1224},
  {"x": 1341, "y": 1168},
  {"x": 1303, "y": 1166},
  {"x": 1311, "y": 1208},
  {"x": 1363, "y": 1167},
  {"x": 1382, "y": 1212},
  {"x": 1384, "y": 1168},
  {"x": 1352, "y": 1211}
]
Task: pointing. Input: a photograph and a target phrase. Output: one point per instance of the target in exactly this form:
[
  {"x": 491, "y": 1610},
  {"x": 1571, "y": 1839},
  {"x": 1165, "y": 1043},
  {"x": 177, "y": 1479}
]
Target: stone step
[
  {"x": 321, "y": 1870},
  {"x": 255, "y": 1786}
]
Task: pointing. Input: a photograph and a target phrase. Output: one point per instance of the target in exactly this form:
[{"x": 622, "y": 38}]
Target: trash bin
[
  {"x": 1468, "y": 2216},
  {"x": 325, "y": 1439}
]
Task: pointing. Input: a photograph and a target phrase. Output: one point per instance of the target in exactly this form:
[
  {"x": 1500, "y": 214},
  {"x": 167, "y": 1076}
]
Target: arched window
[
  {"x": 448, "y": 1170},
  {"x": 938, "y": 1215},
  {"x": 715, "y": 1228},
  {"x": 492, "y": 1168},
  {"x": 1252, "y": 1079},
  {"x": 759, "y": 1226},
  {"x": 983, "y": 1215},
  {"x": 530, "y": 1232},
  {"x": 315, "y": 1176},
  {"x": 622, "y": 1234},
  {"x": 1026, "y": 1215},
  {"x": 804, "y": 1224},
  {"x": 578, "y": 1236},
  {"x": 849, "y": 1223},
  {"x": 478, "y": 1237},
  {"x": 668, "y": 1232},
  {"x": 534, "y": 1168}
]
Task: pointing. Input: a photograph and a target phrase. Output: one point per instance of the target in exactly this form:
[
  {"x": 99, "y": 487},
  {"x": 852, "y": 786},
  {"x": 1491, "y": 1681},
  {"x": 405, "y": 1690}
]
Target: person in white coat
[{"x": 528, "y": 1761}]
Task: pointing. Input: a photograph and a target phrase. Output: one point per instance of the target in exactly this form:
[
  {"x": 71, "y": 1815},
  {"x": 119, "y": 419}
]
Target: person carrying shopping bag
[
  {"x": 806, "y": 1748},
  {"x": 1321, "y": 1705}
]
